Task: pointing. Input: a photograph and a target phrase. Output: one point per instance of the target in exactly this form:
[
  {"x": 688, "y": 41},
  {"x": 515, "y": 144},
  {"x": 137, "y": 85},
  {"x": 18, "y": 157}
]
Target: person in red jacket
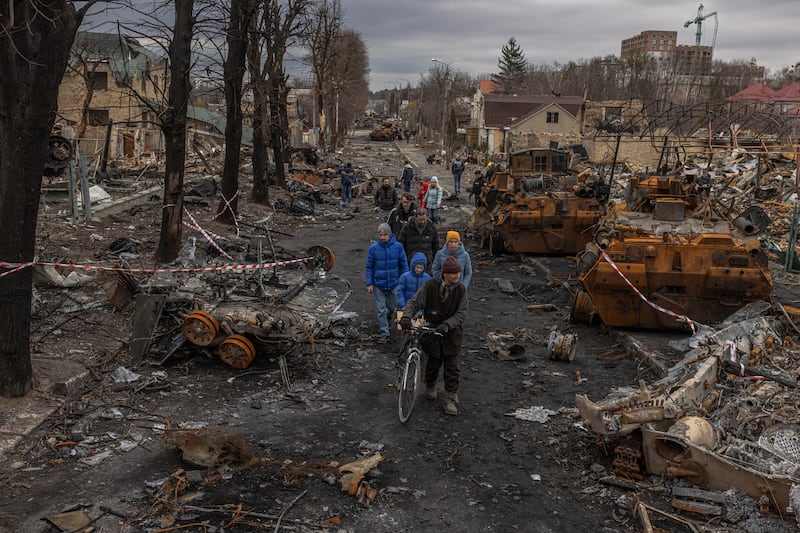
[{"x": 423, "y": 189}]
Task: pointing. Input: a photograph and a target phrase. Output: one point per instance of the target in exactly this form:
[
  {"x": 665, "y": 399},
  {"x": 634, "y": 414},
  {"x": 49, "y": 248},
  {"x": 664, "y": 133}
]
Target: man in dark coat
[
  {"x": 407, "y": 176},
  {"x": 444, "y": 301},
  {"x": 385, "y": 200},
  {"x": 401, "y": 214},
  {"x": 420, "y": 235},
  {"x": 348, "y": 175}
]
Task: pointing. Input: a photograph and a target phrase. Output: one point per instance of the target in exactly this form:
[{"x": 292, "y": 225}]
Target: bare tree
[
  {"x": 348, "y": 89},
  {"x": 280, "y": 25},
  {"x": 323, "y": 32},
  {"x": 242, "y": 12},
  {"x": 35, "y": 39}
]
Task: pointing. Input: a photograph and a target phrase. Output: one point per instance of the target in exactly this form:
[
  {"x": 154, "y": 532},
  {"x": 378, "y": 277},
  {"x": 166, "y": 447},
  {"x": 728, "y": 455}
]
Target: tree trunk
[
  {"x": 33, "y": 55},
  {"x": 241, "y": 13},
  {"x": 277, "y": 142},
  {"x": 260, "y": 192},
  {"x": 174, "y": 128}
]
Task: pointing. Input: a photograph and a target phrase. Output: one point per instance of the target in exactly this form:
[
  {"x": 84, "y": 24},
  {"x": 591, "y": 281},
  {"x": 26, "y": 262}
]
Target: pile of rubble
[{"x": 724, "y": 418}]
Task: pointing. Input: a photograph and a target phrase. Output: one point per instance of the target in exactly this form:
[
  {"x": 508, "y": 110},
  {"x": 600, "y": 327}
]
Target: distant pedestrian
[
  {"x": 348, "y": 176},
  {"x": 420, "y": 235},
  {"x": 407, "y": 176},
  {"x": 385, "y": 200},
  {"x": 478, "y": 182},
  {"x": 491, "y": 168},
  {"x": 433, "y": 199},
  {"x": 423, "y": 189},
  {"x": 457, "y": 168},
  {"x": 401, "y": 214},
  {"x": 386, "y": 262},
  {"x": 453, "y": 248}
]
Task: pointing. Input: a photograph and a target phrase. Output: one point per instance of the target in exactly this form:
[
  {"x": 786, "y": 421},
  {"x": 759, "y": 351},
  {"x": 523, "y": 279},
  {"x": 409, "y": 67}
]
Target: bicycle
[{"x": 408, "y": 370}]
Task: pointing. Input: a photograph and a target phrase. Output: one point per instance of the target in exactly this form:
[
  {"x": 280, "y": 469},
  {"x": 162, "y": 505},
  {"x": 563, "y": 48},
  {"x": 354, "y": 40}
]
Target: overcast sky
[{"x": 403, "y": 35}]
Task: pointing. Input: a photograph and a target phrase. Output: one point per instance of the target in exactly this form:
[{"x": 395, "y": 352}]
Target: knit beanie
[
  {"x": 450, "y": 266},
  {"x": 453, "y": 235},
  {"x": 385, "y": 228}
]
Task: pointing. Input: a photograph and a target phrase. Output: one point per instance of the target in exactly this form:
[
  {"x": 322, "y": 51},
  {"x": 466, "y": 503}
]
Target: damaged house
[{"x": 109, "y": 78}]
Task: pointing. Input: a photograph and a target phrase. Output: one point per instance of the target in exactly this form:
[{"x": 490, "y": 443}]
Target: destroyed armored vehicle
[
  {"x": 538, "y": 206},
  {"x": 662, "y": 260},
  {"x": 386, "y": 132}
]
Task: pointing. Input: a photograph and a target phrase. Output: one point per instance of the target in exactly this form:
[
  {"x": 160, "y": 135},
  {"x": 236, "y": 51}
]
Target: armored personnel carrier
[
  {"x": 662, "y": 260},
  {"x": 537, "y": 206}
]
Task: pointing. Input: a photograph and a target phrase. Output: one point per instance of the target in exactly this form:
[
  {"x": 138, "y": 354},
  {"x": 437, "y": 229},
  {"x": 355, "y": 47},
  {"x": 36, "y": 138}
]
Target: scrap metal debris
[{"x": 723, "y": 418}]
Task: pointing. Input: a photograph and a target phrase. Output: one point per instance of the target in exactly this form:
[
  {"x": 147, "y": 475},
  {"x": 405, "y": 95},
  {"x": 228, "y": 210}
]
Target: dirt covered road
[{"x": 113, "y": 451}]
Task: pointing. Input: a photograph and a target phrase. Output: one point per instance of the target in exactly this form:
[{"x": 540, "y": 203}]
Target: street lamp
[{"x": 446, "y": 90}]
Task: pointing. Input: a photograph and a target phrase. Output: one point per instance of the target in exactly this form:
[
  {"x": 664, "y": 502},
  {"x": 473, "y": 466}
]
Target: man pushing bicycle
[{"x": 443, "y": 300}]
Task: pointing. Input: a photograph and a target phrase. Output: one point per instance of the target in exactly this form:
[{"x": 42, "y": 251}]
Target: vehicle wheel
[{"x": 407, "y": 387}]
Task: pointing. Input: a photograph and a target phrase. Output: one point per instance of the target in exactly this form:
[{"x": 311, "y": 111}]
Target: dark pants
[{"x": 442, "y": 351}]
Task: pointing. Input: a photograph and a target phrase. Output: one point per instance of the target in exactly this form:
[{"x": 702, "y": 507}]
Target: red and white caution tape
[
  {"x": 637, "y": 292},
  {"x": 16, "y": 267},
  {"x": 207, "y": 236}
]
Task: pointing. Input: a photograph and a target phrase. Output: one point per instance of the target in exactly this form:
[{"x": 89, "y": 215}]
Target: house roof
[
  {"x": 126, "y": 57},
  {"x": 206, "y": 116},
  {"x": 753, "y": 92},
  {"x": 506, "y": 109},
  {"x": 788, "y": 93}
]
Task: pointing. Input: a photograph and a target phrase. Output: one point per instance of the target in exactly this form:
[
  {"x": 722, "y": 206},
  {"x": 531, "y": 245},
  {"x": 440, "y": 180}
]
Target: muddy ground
[{"x": 483, "y": 470}]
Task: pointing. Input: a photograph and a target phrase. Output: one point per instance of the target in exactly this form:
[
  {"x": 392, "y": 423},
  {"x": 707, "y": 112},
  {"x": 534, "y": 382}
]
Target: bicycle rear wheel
[{"x": 407, "y": 396}]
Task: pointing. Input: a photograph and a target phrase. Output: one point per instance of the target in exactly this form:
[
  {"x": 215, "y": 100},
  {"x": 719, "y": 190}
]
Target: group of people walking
[{"x": 410, "y": 273}]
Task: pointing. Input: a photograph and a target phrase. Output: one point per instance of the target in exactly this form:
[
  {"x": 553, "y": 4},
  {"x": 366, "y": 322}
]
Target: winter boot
[
  {"x": 450, "y": 403},
  {"x": 430, "y": 392}
]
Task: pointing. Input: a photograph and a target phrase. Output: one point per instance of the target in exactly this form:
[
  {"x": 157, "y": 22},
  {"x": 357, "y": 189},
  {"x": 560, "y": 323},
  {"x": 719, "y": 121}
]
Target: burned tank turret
[{"x": 659, "y": 267}]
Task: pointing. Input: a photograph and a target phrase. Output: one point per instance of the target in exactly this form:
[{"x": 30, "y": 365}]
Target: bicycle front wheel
[{"x": 408, "y": 386}]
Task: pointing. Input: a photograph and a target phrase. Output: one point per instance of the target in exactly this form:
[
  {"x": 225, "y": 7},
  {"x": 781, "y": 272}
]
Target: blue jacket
[
  {"x": 386, "y": 261},
  {"x": 461, "y": 256},
  {"x": 410, "y": 282},
  {"x": 408, "y": 174}
]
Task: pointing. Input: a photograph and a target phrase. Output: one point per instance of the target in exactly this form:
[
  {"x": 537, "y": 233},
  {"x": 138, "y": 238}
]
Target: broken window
[
  {"x": 145, "y": 119},
  {"x": 552, "y": 117},
  {"x": 98, "y": 80},
  {"x": 98, "y": 117}
]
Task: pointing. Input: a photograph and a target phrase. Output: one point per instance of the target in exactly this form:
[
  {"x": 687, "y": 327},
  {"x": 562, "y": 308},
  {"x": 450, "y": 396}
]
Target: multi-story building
[
  {"x": 662, "y": 46},
  {"x": 658, "y": 44}
]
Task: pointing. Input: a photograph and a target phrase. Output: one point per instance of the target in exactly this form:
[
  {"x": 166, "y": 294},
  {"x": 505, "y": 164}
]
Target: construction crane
[{"x": 699, "y": 21}]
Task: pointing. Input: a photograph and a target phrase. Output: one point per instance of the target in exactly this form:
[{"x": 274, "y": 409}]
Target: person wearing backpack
[{"x": 457, "y": 169}]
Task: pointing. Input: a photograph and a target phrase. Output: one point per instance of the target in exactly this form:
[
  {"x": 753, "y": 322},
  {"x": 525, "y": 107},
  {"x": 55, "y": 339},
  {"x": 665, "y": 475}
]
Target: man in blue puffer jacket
[{"x": 386, "y": 262}]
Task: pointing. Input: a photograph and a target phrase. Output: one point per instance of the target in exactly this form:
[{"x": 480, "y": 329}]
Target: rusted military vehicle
[
  {"x": 386, "y": 132},
  {"x": 655, "y": 262},
  {"x": 539, "y": 206}
]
